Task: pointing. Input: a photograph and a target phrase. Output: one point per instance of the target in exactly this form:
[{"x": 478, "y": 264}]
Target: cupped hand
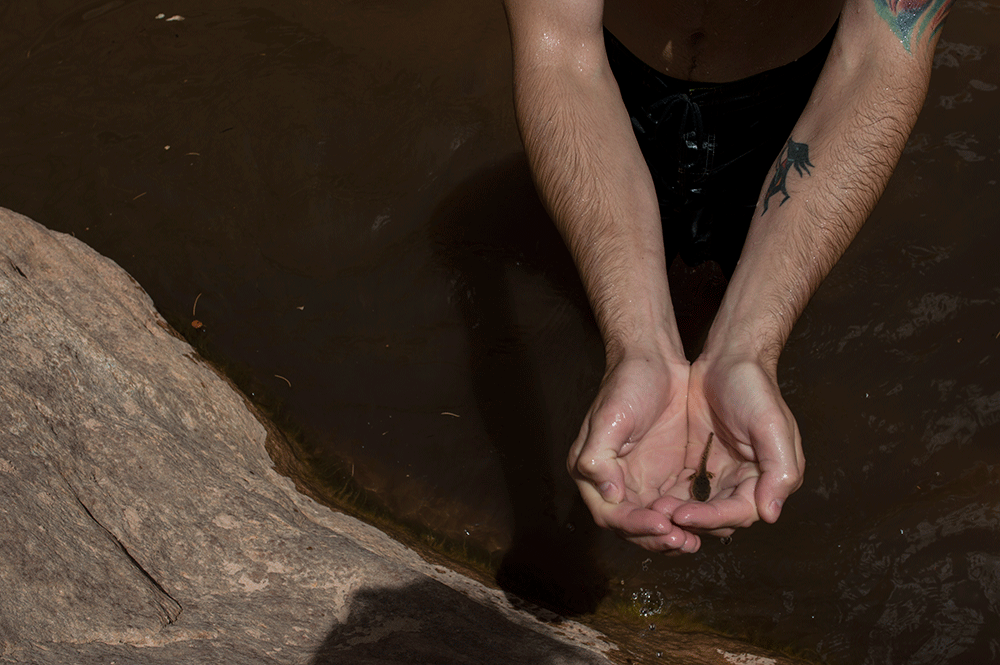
[
  {"x": 756, "y": 457},
  {"x": 630, "y": 453}
]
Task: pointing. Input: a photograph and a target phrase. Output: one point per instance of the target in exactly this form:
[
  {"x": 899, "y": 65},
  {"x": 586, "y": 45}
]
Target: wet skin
[{"x": 701, "y": 482}]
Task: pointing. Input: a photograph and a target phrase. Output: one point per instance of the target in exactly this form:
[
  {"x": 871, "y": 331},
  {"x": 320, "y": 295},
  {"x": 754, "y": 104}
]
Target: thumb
[
  {"x": 597, "y": 462},
  {"x": 603, "y": 472},
  {"x": 782, "y": 466}
]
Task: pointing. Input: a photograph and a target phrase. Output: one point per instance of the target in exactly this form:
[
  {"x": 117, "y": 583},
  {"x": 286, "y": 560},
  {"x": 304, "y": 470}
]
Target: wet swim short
[{"x": 709, "y": 146}]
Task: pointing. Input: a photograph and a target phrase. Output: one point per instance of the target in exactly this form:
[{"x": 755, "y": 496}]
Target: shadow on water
[
  {"x": 536, "y": 361},
  {"x": 492, "y": 236}
]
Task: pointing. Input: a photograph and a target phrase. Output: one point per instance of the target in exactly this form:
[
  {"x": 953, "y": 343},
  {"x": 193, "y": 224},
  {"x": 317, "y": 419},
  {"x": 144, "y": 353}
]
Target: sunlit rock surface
[{"x": 142, "y": 521}]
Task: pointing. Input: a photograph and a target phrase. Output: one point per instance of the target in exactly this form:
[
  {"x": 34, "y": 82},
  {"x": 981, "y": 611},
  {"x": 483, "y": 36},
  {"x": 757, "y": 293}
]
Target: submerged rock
[{"x": 142, "y": 520}]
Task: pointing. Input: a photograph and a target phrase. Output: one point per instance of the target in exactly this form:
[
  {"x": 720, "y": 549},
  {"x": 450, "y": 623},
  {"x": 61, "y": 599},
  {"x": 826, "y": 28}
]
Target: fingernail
[
  {"x": 776, "y": 508},
  {"x": 607, "y": 491}
]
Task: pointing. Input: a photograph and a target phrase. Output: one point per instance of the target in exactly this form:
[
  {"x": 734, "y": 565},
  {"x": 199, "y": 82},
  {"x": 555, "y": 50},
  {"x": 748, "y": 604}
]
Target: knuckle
[
  {"x": 789, "y": 481},
  {"x": 584, "y": 467}
]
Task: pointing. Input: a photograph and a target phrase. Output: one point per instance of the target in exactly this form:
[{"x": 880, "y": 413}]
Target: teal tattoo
[
  {"x": 911, "y": 20},
  {"x": 794, "y": 154}
]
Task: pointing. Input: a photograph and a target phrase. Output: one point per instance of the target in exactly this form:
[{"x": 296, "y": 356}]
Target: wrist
[
  {"x": 754, "y": 319},
  {"x": 744, "y": 340},
  {"x": 655, "y": 343}
]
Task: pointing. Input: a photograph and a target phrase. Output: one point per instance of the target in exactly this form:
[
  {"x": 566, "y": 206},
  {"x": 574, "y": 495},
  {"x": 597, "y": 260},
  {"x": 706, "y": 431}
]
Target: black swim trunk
[{"x": 709, "y": 146}]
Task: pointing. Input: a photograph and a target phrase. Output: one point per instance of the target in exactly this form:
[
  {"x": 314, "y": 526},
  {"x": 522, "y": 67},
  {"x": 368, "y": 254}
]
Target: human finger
[
  {"x": 594, "y": 457},
  {"x": 628, "y": 518},
  {"x": 782, "y": 464},
  {"x": 721, "y": 513},
  {"x": 649, "y": 529},
  {"x": 678, "y": 540}
]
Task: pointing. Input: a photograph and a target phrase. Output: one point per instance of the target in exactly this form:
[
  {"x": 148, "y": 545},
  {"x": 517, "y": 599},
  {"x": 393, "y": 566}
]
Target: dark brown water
[{"x": 344, "y": 188}]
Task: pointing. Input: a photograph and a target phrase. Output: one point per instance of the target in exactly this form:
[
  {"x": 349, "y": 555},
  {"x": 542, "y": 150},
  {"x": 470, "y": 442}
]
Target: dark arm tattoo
[
  {"x": 794, "y": 154},
  {"x": 913, "y": 19}
]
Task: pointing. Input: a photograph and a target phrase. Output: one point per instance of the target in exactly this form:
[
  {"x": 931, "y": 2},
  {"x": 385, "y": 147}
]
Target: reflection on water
[{"x": 346, "y": 194}]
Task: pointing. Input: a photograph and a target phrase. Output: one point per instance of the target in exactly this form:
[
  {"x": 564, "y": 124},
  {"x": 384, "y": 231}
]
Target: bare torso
[{"x": 719, "y": 40}]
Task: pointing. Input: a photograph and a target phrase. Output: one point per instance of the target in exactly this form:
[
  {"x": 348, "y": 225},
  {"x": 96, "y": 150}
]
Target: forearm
[
  {"x": 810, "y": 209},
  {"x": 596, "y": 187}
]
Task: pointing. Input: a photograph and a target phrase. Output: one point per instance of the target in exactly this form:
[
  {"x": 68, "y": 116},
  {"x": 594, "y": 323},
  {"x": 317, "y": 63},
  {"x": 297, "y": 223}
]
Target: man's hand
[
  {"x": 756, "y": 458},
  {"x": 628, "y": 460}
]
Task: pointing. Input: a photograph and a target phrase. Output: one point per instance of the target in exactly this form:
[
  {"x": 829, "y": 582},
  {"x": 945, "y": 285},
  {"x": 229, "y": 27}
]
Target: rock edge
[{"x": 142, "y": 520}]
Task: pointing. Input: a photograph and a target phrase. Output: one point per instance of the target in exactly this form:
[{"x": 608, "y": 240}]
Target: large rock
[{"x": 142, "y": 520}]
